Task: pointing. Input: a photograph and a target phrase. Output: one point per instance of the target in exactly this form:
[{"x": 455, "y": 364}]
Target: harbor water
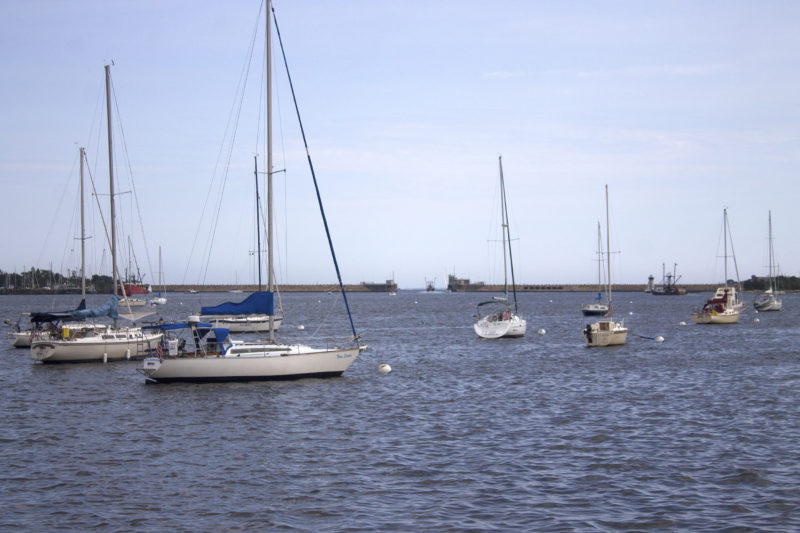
[{"x": 696, "y": 433}]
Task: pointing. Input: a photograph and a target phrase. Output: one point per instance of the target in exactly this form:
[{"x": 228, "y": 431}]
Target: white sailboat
[
  {"x": 769, "y": 300},
  {"x": 45, "y": 325},
  {"x": 726, "y": 304},
  {"x": 161, "y": 297},
  {"x": 99, "y": 345},
  {"x": 500, "y": 320},
  {"x": 597, "y": 308},
  {"x": 606, "y": 332},
  {"x": 255, "y": 361}
]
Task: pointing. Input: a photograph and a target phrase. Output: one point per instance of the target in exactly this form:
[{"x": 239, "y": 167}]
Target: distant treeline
[
  {"x": 784, "y": 283},
  {"x": 36, "y": 279}
]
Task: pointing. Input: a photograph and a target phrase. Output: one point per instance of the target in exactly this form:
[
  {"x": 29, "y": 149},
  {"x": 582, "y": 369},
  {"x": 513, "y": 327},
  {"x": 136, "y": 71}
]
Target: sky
[{"x": 681, "y": 108}]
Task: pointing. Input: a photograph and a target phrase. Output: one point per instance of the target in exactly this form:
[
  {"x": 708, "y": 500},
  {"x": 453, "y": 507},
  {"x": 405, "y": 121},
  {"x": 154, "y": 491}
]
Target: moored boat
[
  {"x": 503, "y": 319},
  {"x": 726, "y": 304},
  {"x": 111, "y": 343},
  {"x": 769, "y": 299},
  {"x": 213, "y": 358},
  {"x": 606, "y": 332}
]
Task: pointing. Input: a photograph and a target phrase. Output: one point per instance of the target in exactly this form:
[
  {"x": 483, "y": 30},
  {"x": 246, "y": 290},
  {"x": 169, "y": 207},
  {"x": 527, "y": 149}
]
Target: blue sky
[{"x": 683, "y": 108}]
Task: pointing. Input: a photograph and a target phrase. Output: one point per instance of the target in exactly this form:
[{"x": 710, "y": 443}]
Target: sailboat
[
  {"x": 606, "y": 332},
  {"x": 161, "y": 297},
  {"x": 597, "y": 308},
  {"x": 499, "y": 320},
  {"x": 769, "y": 301},
  {"x": 210, "y": 358},
  {"x": 94, "y": 344},
  {"x": 44, "y": 325},
  {"x": 726, "y": 304}
]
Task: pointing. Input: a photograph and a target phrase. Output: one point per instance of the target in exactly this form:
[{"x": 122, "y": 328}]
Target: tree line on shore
[{"x": 42, "y": 280}]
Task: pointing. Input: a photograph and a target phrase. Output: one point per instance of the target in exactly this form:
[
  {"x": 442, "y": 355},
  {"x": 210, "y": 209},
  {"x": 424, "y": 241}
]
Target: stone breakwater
[
  {"x": 525, "y": 287},
  {"x": 332, "y": 287}
]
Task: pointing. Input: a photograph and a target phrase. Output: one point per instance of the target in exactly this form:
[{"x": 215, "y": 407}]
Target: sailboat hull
[
  {"x": 702, "y": 317},
  {"x": 113, "y": 346},
  {"x": 514, "y": 326},
  {"x": 243, "y": 323},
  {"x": 252, "y": 363},
  {"x": 768, "y": 302},
  {"x": 605, "y": 333},
  {"x": 594, "y": 309}
]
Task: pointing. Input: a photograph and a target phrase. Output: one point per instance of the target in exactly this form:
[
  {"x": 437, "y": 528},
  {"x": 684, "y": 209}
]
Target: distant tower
[{"x": 651, "y": 283}]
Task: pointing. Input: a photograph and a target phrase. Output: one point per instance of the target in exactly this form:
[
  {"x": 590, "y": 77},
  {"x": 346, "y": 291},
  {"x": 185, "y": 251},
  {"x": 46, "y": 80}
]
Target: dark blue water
[{"x": 699, "y": 433}]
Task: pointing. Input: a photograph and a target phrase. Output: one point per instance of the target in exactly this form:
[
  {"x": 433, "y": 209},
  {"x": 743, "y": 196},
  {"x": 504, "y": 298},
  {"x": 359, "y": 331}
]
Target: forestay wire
[{"x": 314, "y": 177}]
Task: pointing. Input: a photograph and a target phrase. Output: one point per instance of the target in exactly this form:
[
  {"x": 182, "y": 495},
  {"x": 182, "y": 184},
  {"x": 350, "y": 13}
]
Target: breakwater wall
[
  {"x": 524, "y": 287},
  {"x": 332, "y": 287}
]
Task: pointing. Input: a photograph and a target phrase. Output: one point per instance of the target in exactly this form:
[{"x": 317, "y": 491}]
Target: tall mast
[
  {"x": 507, "y": 233},
  {"x": 83, "y": 238},
  {"x": 160, "y": 269},
  {"x": 270, "y": 266},
  {"x": 111, "y": 186},
  {"x": 258, "y": 222},
  {"x": 608, "y": 256},
  {"x": 725, "y": 240},
  {"x": 599, "y": 261},
  {"x": 503, "y": 225},
  {"x": 771, "y": 256}
]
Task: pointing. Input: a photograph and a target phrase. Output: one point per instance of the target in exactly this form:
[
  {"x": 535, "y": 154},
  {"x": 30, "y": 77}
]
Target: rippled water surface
[{"x": 697, "y": 433}]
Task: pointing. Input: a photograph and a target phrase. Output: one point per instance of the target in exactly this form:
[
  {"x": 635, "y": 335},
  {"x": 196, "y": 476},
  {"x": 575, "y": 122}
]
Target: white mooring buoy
[
  {"x": 542, "y": 331},
  {"x": 659, "y": 339},
  {"x": 682, "y": 323},
  {"x": 756, "y": 320},
  {"x": 301, "y": 327},
  {"x": 384, "y": 369}
]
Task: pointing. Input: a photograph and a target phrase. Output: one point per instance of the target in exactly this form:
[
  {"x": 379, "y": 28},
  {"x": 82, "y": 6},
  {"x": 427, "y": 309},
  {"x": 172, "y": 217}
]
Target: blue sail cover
[
  {"x": 38, "y": 318},
  {"x": 258, "y": 303},
  {"x": 109, "y": 310}
]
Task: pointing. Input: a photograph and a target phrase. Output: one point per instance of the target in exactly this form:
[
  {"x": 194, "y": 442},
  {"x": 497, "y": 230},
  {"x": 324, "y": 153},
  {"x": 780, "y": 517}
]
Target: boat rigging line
[{"x": 314, "y": 177}]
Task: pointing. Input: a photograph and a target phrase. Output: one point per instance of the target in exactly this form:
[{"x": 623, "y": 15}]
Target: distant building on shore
[
  {"x": 455, "y": 284},
  {"x": 388, "y": 286}
]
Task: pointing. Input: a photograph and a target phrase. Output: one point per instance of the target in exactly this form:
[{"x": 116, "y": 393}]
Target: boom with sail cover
[{"x": 256, "y": 303}]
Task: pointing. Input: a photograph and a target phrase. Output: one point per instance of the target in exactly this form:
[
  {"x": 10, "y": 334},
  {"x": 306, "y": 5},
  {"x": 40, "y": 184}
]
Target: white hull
[
  {"x": 159, "y": 300},
  {"x": 20, "y": 339},
  {"x": 494, "y": 329},
  {"x": 112, "y": 346},
  {"x": 244, "y": 362},
  {"x": 242, "y": 324},
  {"x": 768, "y": 302},
  {"x": 131, "y": 302},
  {"x": 24, "y": 339},
  {"x": 712, "y": 317},
  {"x": 605, "y": 333}
]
